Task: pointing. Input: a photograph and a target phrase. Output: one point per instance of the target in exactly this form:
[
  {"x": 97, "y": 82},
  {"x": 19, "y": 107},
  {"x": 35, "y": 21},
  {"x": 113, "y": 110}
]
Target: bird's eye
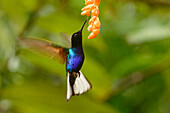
[{"x": 75, "y": 35}]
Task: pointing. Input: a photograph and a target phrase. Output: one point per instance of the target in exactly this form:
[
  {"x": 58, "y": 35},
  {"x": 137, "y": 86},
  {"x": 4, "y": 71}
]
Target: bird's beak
[{"x": 83, "y": 25}]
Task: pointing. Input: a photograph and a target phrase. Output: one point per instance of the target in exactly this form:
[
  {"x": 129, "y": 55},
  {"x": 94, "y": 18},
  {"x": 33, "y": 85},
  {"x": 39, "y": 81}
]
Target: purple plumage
[{"x": 75, "y": 60}]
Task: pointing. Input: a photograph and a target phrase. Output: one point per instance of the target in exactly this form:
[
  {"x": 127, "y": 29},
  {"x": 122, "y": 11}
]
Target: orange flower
[{"x": 94, "y": 22}]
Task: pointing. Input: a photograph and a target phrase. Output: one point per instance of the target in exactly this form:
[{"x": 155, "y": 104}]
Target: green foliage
[{"x": 128, "y": 64}]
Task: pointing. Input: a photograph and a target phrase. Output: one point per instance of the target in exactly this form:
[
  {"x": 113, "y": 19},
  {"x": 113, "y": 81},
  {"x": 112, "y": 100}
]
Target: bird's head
[{"x": 77, "y": 37}]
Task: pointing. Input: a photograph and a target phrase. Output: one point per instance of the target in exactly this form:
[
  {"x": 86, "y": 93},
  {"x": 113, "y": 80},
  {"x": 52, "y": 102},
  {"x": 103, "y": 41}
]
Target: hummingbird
[{"x": 72, "y": 56}]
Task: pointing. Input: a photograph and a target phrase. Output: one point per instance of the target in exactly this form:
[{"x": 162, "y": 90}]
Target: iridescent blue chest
[{"x": 75, "y": 60}]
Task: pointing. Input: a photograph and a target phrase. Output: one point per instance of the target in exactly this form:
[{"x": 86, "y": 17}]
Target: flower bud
[
  {"x": 96, "y": 2},
  {"x": 95, "y": 12},
  {"x": 90, "y": 27},
  {"x": 88, "y": 7},
  {"x": 96, "y": 31},
  {"x": 91, "y": 36},
  {"x": 92, "y": 20},
  {"x": 89, "y": 2},
  {"x": 96, "y": 24}
]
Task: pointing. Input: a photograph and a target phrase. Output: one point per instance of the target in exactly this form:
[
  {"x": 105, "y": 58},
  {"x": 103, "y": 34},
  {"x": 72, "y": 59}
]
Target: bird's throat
[{"x": 77, "y": 43}]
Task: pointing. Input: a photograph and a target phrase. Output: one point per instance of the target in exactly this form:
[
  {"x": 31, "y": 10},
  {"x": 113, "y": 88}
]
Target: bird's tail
[{"x": 76, "y": 84}]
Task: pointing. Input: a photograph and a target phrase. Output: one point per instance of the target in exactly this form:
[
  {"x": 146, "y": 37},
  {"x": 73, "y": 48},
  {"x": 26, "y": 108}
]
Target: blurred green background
[{"x": 128, "y": 63}]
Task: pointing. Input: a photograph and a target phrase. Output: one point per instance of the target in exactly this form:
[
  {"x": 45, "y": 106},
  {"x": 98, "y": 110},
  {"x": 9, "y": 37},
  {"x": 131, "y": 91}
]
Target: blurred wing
[
  {"x": 46, "y": 48},
  {"x": 67, "y": 39}
]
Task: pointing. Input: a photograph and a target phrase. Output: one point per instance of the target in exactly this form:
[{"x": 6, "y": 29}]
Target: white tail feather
[
  {"x": 80, "y": 86},
  {"x": 69, "y": 90}
]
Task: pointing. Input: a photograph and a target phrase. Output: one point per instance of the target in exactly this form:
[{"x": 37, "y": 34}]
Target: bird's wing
[
  {"x": 46, "y": 48},
  {"x": 66, "y": 38}
]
